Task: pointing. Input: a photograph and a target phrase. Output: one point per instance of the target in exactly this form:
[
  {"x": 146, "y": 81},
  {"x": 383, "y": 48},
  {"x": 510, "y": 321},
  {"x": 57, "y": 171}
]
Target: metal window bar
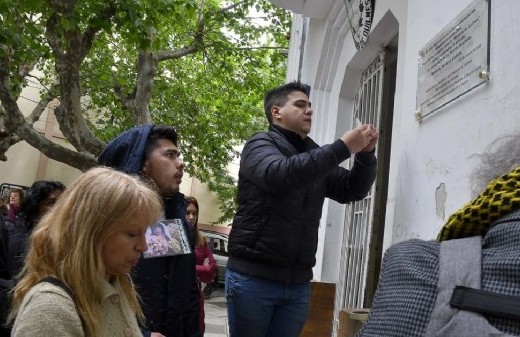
[{"x": 358, "y": 215}]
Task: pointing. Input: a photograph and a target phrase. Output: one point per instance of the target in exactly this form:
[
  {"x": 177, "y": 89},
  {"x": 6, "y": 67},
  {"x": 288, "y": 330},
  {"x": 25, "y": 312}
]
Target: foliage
[{"x": 199, "y": 65}]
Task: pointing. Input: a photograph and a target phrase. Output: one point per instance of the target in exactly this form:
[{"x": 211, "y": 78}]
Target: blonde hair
[{"x": 67, "y": 241}]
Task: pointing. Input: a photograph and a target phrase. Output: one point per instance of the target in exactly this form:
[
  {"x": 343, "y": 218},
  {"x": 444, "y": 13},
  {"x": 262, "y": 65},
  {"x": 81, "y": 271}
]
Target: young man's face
[
  {"x": 295, "y": 114},
  {"x": 164, "y": 167}
]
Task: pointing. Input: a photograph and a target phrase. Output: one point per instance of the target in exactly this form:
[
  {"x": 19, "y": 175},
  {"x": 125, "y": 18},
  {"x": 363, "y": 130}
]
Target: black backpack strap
[
  {"x": 486, "y": 302},
  {"x": 59, "y": 283}
]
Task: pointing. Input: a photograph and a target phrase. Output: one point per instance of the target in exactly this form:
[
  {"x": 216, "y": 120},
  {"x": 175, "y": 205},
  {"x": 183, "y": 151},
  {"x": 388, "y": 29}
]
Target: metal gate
[{"x": 358, "y": 215}]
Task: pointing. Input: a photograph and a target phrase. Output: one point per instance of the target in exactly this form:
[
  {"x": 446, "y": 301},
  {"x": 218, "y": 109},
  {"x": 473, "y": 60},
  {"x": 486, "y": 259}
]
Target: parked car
[{"x": 218, "y": 242}]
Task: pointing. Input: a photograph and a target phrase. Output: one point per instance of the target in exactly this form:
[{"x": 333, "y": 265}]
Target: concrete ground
[{"x": 216, "y": 314}]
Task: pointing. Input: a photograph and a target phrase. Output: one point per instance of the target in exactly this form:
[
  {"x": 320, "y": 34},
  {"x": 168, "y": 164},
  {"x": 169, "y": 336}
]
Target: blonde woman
[{"x": 76, "y": 280}]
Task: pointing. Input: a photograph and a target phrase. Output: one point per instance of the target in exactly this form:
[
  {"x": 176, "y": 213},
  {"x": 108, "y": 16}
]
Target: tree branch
[
  {"x": 255, "y": 48},
  {"x": 90, "y": 33},
  {"x": 39, "y": 81},
  {"x": 230, "y": 7},
  {"x": 39, "y": 109},
  {"x": 125, "y": 100},
  {"x": 52, "y": 37},
  {"x": 177, "y": 53},
  {"x": 194, "y": 47},
  {"x": 17, "y": 128},
  {"x": 69, "y": 113},
  {"x": 3, "y": 129},
  {"x": 146, "y": 66},
  {"x": 80, "y": 160},
  {"x": 6, "y": 141}
]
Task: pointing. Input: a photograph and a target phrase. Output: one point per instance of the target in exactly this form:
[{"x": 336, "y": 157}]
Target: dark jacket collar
[
  {"x": 175, "y": 206},
  {"x": 299, "y": 144}
]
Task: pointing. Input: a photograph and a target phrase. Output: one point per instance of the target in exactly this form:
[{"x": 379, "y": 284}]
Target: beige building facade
[{"x": 26, "y": 164}]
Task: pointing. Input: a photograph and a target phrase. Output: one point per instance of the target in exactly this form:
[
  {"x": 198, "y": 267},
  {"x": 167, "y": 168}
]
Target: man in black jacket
[
  {"x": 284, "y": 178},
  {"x": 167, "y": 284}
]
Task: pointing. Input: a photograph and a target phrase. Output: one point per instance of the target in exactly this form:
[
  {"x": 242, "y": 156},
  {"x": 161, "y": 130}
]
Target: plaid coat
[{"x": 407, "y": 287}]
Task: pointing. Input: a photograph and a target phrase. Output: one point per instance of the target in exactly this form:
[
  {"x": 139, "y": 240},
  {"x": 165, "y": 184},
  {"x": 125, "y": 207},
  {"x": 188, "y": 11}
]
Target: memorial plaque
[{"x": 455, "y": 61}]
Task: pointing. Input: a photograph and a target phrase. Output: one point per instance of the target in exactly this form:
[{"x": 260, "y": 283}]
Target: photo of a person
[
  {"x": 166, "y": 238},
  {"x": 157, "y": 240},
  {"x": 159, "y": 230},
  {"x": 179, "y": 238}
]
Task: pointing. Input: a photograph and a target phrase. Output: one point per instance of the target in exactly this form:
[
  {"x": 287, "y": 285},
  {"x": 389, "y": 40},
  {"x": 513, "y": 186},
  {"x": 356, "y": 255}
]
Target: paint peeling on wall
[{"x": 440, "y": 200}]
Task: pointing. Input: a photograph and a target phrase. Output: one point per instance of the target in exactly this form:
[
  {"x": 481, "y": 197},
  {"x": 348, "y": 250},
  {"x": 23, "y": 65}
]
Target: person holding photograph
[
  {"x": 75, "y": 278},
  {"x": 167, "y": 285}
]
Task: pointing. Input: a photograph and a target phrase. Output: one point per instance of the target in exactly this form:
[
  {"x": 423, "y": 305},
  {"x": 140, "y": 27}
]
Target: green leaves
[{"x": 212, "y": 94}]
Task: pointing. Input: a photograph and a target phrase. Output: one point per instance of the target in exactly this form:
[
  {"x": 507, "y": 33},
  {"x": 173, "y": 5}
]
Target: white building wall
[
  {"x": 440, "y": 150},
  {"x": 426, "y": 157}
]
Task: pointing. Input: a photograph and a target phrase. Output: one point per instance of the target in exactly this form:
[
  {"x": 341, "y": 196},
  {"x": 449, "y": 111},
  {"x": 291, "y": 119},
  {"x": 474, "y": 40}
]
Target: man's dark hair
[
  {"x": 278, "y": 96},
  {"x": 35, "y": 195},
  {"x": 160, "y": 131}
]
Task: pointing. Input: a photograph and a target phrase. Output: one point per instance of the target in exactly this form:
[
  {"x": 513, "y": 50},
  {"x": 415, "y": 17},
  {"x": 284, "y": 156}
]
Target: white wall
[
  {"x": 332, "y": 67},
  {"x": 430, "y": 161},
  {"x": 440, "y": 150}
]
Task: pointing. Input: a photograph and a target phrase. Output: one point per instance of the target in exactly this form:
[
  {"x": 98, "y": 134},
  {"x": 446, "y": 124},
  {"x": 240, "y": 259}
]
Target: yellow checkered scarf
[{"x": 502, "y": 196}]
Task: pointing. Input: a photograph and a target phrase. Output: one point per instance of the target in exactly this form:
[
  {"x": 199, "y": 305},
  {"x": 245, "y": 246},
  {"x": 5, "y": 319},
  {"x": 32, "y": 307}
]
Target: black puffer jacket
[
  {"x": 283, "y": 181},
  {"x": 168, "y": 286}
]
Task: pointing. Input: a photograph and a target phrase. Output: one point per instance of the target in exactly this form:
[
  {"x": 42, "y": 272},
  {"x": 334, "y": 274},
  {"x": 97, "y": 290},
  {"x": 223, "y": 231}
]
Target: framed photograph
[{"x": 167, "y": 238}]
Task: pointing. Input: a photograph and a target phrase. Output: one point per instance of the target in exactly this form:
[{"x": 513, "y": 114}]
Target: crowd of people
[
  {"x": 73, "y": 262},
  {"x": 18, "y": 217}
]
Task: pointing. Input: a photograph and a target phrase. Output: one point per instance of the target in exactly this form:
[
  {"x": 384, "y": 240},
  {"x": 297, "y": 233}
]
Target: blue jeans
[{"x": 262, "y": 308}]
